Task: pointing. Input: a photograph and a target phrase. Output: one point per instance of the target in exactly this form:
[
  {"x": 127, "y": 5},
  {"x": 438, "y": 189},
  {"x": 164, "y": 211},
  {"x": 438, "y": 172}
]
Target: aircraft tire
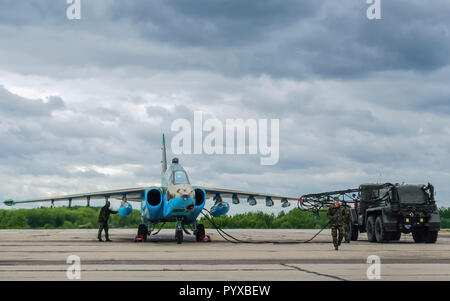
[
  {"x": 179, "y": 236},
  {"x": 143, "y": 231},
  {"x": 200, "y": 232}
]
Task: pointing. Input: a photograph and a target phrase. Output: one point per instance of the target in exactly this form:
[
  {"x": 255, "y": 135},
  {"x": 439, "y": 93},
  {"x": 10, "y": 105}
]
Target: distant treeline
[{"x": 86, "y": 217}]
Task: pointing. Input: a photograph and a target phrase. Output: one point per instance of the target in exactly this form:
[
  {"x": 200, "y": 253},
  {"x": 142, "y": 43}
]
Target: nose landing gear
[{"x": 179, "y": 231}]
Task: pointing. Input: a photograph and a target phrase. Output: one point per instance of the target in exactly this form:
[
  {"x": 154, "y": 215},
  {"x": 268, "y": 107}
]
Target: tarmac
[{"x": 44, "y": 255}]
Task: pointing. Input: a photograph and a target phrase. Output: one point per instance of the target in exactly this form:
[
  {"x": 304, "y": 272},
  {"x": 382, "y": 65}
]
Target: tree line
[{"x": 86, "y": 217}]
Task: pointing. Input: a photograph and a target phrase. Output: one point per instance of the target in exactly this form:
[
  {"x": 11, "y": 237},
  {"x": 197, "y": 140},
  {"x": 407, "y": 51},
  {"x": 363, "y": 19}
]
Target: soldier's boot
[
  {"x": 107, "y": 235},
  {"x": 336, "y": 248}
]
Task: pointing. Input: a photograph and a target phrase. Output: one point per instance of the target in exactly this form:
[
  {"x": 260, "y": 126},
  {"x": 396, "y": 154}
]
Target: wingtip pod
[{"x": 9, "y": 202}]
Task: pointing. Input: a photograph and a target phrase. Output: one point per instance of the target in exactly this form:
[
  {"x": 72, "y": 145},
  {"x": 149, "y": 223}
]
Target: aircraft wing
[
  {"x": 131, "y": 194},
  {"x": 236, "y": 194}
]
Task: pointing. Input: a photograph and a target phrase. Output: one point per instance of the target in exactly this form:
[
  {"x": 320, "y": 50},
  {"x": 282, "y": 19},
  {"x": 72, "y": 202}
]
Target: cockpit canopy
[
  {"x": 180, "y": 177},
  {"x": 176, "y": 174}
]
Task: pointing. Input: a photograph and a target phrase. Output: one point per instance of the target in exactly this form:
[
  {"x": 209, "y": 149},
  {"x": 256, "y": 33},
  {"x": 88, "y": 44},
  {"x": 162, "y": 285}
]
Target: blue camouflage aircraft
[{"x": 176, "y": 200}]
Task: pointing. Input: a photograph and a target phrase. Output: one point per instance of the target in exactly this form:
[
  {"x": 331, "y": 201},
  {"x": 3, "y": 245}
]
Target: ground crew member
[
  {"x": 103, "y": 221},
  {"x": 346, "y": 225},
  {"x": 336, "y": 216}
]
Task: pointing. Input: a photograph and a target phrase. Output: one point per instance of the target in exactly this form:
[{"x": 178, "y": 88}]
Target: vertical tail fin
[{"x": 164, "y": 157}]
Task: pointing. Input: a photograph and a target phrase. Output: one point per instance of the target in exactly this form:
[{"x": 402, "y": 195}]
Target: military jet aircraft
[{"x": 176, "y": 200}]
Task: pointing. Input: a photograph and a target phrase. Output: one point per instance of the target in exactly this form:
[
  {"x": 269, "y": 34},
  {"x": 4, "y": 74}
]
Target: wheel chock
[
  {"x": 139, "y": 238},
  {"x": 206, "y": 238}
]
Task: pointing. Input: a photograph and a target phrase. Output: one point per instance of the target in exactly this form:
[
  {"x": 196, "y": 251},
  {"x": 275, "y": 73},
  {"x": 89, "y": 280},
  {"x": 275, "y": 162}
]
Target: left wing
[
  {"x": 251, "y": 196},
  {"x": 130, "y": 194}
]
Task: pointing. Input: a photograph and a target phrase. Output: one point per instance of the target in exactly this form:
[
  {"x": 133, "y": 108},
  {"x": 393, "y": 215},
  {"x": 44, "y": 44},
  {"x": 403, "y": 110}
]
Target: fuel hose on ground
[{"x": 235, "y": 240}]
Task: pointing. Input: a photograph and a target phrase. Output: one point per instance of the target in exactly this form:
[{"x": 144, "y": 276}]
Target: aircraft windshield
[{"x": 180, "y": 178}]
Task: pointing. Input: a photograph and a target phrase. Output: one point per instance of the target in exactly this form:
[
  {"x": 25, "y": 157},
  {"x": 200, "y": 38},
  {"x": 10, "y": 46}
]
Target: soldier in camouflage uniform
[
  {"x": 103, "y": 221},
  {"x": 346, "y": 225},
  {"x": 336, "y": 216}
]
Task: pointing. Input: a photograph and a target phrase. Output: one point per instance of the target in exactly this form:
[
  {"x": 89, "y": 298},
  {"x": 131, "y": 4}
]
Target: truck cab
[{"x": 385, "y": 211}]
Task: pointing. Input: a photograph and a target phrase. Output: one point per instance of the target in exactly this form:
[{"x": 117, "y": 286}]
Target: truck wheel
[
  {"x": 370, "y": 227},
  {"x": 353, "y": 232},
  {"x": 380, "y": 234},
  {"x": 396, "y": 235},
  {"x": 200, "y": 232},
  {"x": 431, "y": 237},
  {"x": 419, "y": 236}
]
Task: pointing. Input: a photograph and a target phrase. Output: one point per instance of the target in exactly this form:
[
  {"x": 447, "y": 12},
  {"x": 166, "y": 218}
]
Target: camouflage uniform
[
  {"x": 346, "y": 226},
  {"x": 103, "y": 221},
  {"x": 336, "y": 216}
]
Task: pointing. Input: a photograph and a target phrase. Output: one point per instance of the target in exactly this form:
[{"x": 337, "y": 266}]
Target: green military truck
[{"x": 386, "y": 211}]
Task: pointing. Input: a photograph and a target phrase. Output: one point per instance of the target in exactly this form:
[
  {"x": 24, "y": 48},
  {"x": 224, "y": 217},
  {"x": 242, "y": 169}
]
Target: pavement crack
[{"x": 315, "y": 273}]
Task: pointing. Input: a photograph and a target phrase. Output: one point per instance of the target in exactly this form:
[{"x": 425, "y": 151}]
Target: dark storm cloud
[
  {"x": 297, "y": 39},
  {"x": 212, "y": 23}
]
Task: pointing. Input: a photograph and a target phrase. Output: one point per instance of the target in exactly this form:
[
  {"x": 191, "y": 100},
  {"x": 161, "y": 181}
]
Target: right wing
[{"x": 251, "y": 196}]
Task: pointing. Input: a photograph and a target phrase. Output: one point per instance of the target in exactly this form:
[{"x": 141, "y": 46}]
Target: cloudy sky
[{"x": 83, "y": 103}]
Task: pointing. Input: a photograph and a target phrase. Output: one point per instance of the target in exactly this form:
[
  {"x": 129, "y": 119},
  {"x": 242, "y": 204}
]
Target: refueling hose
[{"x": 236, "y": 240}]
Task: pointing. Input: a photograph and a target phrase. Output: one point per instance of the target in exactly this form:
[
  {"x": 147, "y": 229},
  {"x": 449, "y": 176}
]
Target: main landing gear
[{"x": 199, "y": 232}]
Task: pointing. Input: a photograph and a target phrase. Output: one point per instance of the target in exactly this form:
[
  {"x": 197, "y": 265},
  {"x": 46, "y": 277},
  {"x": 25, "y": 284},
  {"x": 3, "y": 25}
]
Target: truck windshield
[
  {"x": 180, "y": 178},
  {"x": 412, "y": 195}
]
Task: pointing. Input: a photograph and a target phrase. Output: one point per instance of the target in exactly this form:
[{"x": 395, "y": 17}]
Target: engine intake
[
  {"x": 154, "y": 197},
  {"x": 200, "y": 197}
]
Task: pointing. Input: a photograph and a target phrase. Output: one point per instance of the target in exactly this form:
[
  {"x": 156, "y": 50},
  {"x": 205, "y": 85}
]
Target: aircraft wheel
[
  {"x": 370, "y": 228},
  {"x": 143, "y": 231},
  {"x": 179, "y": 236},
  {"x": 200, "y": 232}
]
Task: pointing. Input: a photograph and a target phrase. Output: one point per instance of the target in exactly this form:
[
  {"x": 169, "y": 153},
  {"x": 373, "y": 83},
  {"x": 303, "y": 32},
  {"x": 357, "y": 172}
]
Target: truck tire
[
  {"x": 380, "y": 234},
  {"x": 395, "y": 236},
  {"x": 354, "y": 231},
  {"x": 370, "y": 227},
  {"x": 419, "y": 236},
  {"x": 431, "y": 237}
]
